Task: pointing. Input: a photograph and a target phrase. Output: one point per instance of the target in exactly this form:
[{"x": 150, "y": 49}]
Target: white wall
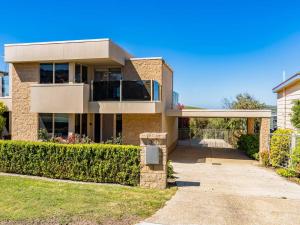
[{"x": 285, "y": 103}]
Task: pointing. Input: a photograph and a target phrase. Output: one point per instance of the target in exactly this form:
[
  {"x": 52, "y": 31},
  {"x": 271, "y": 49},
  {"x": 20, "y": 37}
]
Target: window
[
  {"x": 5, "y": 86},
  {"x": 81, "y": 124},
  {"x": 54, "y": 73},
  {"x": 119, "y": 125},
  {"x": 46, "y": 73},
  {"x": 46, "y": 122},
  {"x": 61, "y": 125},
  {"x": 61, "y": 72},
  {"x": 77, "y": 73},
  {"x": 55, "y": 124},
  {"x": 115, "y": 74},
  {"x": 81, "y": 74}
]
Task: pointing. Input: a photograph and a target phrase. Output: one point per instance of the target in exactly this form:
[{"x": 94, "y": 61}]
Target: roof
[{"x": 287, "y": 82}]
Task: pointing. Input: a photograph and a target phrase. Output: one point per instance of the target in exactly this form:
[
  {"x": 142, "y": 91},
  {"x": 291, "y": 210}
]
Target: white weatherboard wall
[{"x": 285, "y": 99}]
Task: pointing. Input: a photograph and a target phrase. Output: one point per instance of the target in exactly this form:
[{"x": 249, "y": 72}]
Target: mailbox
[{"x": 152, "y": 155}]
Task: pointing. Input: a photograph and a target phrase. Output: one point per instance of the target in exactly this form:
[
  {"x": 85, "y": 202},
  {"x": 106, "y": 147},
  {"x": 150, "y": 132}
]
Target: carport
[{"x": 250, "y": 115}]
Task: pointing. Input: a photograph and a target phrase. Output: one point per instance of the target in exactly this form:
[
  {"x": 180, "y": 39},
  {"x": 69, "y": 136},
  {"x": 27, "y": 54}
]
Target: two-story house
[{"x": 88, "y": 87}]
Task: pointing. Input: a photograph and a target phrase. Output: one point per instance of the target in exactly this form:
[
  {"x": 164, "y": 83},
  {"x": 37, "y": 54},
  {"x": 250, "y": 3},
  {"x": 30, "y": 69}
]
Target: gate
[{"x": 218, "y": 138}]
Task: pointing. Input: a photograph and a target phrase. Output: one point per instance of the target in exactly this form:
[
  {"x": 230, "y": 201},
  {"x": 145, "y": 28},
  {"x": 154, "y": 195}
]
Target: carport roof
[{"x": 220, "y": 113}]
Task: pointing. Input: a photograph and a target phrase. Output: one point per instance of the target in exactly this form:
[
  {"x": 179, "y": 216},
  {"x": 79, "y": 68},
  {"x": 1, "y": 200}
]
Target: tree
[
  {"x": 244, "y": 101},
  {"x": 3, "y": 109},
  {"x": 295, "y": 116}
]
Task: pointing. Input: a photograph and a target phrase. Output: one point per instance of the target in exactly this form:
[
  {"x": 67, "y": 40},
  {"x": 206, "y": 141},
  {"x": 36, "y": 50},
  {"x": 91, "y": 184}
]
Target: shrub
[
  {"x": 249, "y": 143},
  {"x": 170, "y": 172},
  {"x": 264, "y": 157},
  {"x": 296, "y": 159},
  {"x": 81, "y": 162},
  {"x": 295, "y": 117},
  {"x": 286, "y": 172},
  {"x": 280, "y": 146}
]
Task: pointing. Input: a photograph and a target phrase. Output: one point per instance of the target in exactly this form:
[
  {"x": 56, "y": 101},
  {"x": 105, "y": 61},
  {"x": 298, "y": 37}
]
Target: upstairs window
[
  {"x": 61, "y": 72},
  {"x": 54, "y": 73},
  {"x": 46, "y": 73},
  {"x": 81, "y": 74}
]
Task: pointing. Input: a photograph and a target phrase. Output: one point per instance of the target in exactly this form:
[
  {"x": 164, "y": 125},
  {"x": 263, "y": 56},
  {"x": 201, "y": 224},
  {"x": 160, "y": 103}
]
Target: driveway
[{"x": 222, "y": 186}]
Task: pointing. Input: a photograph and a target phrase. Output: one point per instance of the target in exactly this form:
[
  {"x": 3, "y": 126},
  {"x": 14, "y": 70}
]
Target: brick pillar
[
  {"x": 154, "y": 176},
  {"x": 250, "y": 125},
  {"x": 264, "y": 134}
]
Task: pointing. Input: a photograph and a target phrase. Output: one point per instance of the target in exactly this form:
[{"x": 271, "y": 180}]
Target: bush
[
  {"x": 296, "y": 159},
  {"x": 265, "y": 160},
  {"x": 170, "y": 172},
  {"x": 280, "y": 146},
  {"x": 249, "y": 143},
  {"x": 286, "y": 172},
  {"x": 81, "y": 162}
]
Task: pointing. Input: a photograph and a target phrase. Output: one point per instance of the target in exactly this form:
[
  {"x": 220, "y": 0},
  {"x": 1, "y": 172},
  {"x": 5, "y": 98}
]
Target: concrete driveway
[{"x": 222, "y": 186}]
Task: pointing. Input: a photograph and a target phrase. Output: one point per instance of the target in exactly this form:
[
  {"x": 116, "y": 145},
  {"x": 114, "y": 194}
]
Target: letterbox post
[{"x": 154, "y": 159}]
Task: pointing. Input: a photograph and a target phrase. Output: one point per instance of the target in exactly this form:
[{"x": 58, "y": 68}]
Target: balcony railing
[{"x": 125, "y": 90}]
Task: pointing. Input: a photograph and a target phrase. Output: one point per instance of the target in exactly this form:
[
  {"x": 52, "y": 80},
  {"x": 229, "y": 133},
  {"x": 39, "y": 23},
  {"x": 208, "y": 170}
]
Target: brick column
[
  {"x": 264, "y": 134},
  {"x": 154, "y": 176},
  {"x": 250, "y": 125}
]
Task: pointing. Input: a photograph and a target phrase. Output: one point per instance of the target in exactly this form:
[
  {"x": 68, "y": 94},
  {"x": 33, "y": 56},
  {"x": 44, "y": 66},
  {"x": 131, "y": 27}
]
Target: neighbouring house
[
  {"x": 88, "y": 87},
  {"x": 287, "y": 92}
]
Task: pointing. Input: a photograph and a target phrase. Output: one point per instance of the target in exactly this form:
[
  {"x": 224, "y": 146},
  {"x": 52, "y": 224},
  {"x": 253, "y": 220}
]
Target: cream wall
[
  {"x": 285, "y": 103},
  {"x": 24, "y": 122}
]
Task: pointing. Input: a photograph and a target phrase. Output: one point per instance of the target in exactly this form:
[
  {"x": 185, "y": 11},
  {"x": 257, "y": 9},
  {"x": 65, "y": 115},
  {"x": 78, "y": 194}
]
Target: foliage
[
  {"x": 280, "y": 146},
  {"x": 3, "y": 109},
  {"x": 265, "y": 158},
  {"x": 82, "y": 162},
  {"x": 295, "y": 117},
  {"x": 36, "y": 201},
  {"x": 117, "y": 140},
  {"x": 286, "y": 172},
  {"x": 170, "y": 172},
  {"x": 43, "y": 135},
  {"x": 296, "y": 159},
  {"x": 250, "y": 144},
  {"x": 244, "y": 101}
]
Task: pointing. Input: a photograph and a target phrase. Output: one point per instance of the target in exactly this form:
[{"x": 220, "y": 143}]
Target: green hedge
[
  {"x": 249, "y": 143},
  {"x": 82, "y": 162}
]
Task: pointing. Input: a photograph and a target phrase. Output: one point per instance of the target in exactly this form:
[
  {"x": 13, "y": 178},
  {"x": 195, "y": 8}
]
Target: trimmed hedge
[
  {"x": 249, "y": 143},
  {"x": 81, "y": 162}
]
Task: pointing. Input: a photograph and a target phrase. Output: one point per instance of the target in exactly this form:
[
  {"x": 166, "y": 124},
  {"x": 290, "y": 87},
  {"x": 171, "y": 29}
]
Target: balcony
[
  {"x": 126, "y": 90},
  {"x": 59, "y": 98},
  {"x": 127, "y": 96}
]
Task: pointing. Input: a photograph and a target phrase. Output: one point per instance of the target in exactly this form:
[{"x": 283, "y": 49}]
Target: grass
[{"x": 30, "y": 200}]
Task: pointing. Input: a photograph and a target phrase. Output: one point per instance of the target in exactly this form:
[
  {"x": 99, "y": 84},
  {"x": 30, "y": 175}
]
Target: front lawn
[{"x": 27, "y": 200}]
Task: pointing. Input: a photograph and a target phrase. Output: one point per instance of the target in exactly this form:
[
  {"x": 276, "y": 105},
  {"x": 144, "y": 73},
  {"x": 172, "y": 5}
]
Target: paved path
[{"x": 221, "y": 186}]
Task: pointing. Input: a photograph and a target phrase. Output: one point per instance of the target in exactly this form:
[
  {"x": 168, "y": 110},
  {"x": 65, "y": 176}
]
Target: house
[
  {"x": 287, "y": 92},
  {"x": 97, "y": 89},
  {"x": 88, "y": 87}
]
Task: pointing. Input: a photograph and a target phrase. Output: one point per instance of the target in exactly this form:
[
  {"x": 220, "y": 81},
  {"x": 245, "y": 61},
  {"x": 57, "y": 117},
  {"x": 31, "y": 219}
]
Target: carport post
[
  {"x": 250, "y": 125},
  {"x": 264, "y": 134}
]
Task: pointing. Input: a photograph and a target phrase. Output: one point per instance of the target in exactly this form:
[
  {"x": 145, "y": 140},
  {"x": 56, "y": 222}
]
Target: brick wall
[{"x": 24, "y": 123}]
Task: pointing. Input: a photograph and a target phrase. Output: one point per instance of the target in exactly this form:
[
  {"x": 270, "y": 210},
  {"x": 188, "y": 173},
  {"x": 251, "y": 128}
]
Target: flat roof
[
  {"x": 221, "y": 113},
  {"x": 58, "y": 42},
  {"x": 287, "y": 82}
]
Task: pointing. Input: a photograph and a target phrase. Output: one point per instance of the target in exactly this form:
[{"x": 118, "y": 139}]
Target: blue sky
[{"x": 217, "y": 48}]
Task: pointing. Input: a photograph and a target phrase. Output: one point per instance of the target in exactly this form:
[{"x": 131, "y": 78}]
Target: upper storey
[{"x": 102, "y": 51}]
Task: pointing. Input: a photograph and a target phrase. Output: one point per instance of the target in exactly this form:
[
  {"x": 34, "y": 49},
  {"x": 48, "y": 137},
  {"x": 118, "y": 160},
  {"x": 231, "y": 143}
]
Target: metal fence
[
  {"x": 288, "y": 144},
  {"x": 223, "y": 138}
]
